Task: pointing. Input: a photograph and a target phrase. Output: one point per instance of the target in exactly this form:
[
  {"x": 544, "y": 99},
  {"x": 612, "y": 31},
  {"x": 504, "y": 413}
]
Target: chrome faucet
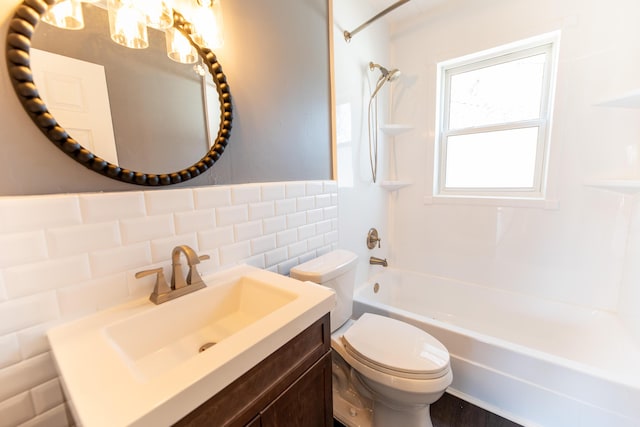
[
  {"x": 378, "y": 261},
  {"x": 179, "y": 285}
]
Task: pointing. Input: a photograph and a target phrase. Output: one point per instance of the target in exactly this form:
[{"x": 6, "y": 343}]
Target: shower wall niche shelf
[
  {"x": 395, "y": 129},
  {"x": 390, "y": 185},
  {"x": 628, "y": 100},
  {"x": 620, "y": 185},
  {"x": 625, "y": 186}
]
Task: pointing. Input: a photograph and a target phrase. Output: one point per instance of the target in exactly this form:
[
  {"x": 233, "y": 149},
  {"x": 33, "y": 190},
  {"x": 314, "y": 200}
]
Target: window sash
[
  {"x": 447, "y": 71},
  {"x": 534, "y": 191}
]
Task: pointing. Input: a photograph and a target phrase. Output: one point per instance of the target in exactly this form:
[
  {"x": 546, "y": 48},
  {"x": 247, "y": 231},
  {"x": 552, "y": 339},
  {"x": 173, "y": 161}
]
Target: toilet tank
[{"x": 335, "y": 270}]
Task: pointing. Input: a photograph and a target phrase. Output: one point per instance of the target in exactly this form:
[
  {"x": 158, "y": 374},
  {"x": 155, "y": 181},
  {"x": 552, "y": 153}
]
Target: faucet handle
[
  {"x": 372, "y": 238},
  {"x": 161, "y": 286},
  {"x": 159, "y": 271},
  {"x": 193, "y": 277}
]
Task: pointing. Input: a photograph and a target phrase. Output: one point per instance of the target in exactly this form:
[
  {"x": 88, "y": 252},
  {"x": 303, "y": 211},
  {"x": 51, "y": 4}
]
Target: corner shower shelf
[
  {"x": 625, "y": 186},
  {"x": 628, "y": 100},
  {"x": 395, "y": 129},
  {"x": 620, "y": 185},
  {"x": 394, "y": 185}
]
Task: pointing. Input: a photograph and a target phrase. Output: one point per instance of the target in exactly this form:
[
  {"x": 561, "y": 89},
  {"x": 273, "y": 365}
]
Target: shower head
[
  {"x": 386, "y": 76},
  {"x": 393, "y": 75}
]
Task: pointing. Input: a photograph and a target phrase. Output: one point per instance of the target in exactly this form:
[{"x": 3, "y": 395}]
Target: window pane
[
  {"x": 497, "y": 94},
  {"x": 502, "y": 159}
]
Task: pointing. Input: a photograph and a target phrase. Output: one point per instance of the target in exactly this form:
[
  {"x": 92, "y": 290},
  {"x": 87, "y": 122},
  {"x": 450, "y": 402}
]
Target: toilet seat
[{"x": 396, "y": 348}]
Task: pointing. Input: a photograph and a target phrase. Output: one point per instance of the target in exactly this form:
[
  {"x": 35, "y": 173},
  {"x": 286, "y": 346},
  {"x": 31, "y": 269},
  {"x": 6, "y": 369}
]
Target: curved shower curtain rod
[{"x": 349, "y": 34}]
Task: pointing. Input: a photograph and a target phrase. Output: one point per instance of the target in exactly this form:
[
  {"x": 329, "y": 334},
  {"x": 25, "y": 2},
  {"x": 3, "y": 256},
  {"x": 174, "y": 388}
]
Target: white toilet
[{"x": 386, "y": 372}]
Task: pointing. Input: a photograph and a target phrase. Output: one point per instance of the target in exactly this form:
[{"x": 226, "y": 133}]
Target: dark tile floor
[{"x": 451, "y": 411}]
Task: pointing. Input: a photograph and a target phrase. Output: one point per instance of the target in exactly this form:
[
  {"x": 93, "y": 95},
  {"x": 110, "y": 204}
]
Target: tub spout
[{"x": 378, "y": 261}]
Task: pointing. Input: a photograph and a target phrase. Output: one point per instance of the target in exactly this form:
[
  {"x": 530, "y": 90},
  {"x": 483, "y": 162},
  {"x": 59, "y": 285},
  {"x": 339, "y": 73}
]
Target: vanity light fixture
[
  {"x": 66, "y": 14},
  {"x": 129, "y": 19}
]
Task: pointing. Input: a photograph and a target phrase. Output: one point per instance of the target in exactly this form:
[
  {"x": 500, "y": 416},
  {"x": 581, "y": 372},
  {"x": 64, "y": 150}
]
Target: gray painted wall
[{"x": 276, "y": 58}]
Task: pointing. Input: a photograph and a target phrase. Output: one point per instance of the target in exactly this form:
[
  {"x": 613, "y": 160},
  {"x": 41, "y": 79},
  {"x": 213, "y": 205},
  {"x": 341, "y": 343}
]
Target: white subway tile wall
[
  {"x": 27, "y": 213},
  {"x": 273, "y": 191},
  {"x": 66, "y": 256},
  {"x": 18, "y": 409},
  {"x": 212, "y": 197}
]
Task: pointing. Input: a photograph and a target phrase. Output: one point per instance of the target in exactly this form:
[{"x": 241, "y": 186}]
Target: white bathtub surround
[
  {"x": 532, "y": 360},
  {"x": 574, "y": 253},
  {"x": 65, "y": 256}
]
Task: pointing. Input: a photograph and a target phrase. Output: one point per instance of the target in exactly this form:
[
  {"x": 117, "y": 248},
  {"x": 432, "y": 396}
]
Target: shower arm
[{"x": 349, "y": 34}]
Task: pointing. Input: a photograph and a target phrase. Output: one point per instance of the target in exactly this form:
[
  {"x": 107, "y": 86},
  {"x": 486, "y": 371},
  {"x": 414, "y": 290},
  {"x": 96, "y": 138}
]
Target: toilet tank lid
[{"x": 326, "y": 267}]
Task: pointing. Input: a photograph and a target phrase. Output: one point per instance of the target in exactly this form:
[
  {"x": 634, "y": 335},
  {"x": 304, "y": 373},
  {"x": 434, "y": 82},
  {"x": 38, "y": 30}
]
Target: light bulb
[
  {"x": 66, "y": 14},
  {"x": 159, "y": 13},
  {"x": 127, "y": 24},
  {"x": 178, "y": 47},
  {"x": 207, "y": 21}
]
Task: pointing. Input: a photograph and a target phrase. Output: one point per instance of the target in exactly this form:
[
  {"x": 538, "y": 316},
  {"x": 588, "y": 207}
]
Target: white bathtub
[{"x": 534, "y": 361}]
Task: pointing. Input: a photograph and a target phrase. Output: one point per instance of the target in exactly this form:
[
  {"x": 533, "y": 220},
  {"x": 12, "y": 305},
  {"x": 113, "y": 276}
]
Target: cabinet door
[
  {"x": 306, "y": 403},
  {"x": 256, "y": 422}
]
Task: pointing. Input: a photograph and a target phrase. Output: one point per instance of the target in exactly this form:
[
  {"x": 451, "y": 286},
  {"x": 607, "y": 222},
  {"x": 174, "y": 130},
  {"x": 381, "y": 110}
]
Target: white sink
[
  {"x": 190, "y": 322},
  {"x": 140, "y": 364}
]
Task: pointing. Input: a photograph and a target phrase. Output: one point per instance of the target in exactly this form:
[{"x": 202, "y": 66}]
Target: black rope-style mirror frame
[{"x": 21, "y": 29}]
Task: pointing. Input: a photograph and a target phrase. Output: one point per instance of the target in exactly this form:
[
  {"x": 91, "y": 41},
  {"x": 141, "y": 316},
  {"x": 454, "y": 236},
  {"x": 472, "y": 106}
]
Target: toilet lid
[{"x": 395, "y": 347}]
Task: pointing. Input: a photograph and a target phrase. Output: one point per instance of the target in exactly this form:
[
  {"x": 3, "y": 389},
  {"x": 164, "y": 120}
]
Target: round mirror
[{"x": 141, "y": 145}]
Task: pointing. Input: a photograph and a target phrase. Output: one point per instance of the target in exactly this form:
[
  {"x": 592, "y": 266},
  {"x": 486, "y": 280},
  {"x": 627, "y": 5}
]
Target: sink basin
[
  {"x": 140, "y": 364},
  {"x": 193, "y": 322}
]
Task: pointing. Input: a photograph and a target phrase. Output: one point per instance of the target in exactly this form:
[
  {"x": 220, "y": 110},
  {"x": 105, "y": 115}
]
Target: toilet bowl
[{"x": 385, "y": 372}]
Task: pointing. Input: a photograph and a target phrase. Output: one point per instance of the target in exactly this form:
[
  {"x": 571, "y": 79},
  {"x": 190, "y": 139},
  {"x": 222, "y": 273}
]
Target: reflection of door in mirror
[{"x": 76, "y": 94}]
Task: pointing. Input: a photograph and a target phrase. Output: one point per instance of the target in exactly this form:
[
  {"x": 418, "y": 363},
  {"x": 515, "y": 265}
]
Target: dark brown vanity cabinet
[{"x": 290, "y": 388}]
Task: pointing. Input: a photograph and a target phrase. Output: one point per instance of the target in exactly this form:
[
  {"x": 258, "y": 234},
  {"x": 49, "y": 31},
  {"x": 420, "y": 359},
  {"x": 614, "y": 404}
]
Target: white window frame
[{"x": 530, "y": 196}]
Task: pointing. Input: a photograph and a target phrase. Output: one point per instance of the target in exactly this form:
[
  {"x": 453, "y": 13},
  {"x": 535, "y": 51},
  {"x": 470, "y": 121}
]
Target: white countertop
[{"x": 103, "y": 386}]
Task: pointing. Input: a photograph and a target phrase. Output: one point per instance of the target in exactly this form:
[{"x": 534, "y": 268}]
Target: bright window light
[{"x": 502, "y": 159}]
